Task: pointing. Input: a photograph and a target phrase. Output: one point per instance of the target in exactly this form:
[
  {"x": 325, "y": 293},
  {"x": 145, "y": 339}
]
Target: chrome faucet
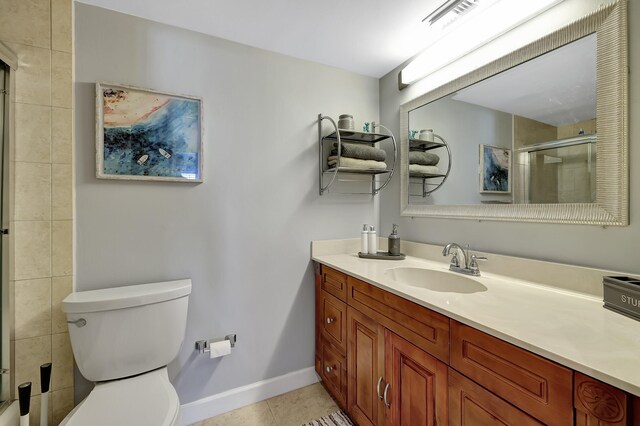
[
  {"x": 468, "y": 266},
  {"x": 454, "y": 260}
]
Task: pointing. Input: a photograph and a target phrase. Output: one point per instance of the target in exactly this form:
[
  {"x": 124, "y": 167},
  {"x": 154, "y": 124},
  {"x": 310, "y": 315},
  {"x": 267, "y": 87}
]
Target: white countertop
[{"x": 565, "y": 326}]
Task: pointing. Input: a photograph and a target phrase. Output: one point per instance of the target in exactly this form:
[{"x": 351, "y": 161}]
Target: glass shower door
[{"x": 4, "y": 263}]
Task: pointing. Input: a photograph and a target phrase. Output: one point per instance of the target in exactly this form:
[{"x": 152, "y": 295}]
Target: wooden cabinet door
[
  {"x": 365, "y": 366},
  {"x": 471, "y": 404},
  {"x": 418, "y": 392},
  {"x": 599, "y": 404}
]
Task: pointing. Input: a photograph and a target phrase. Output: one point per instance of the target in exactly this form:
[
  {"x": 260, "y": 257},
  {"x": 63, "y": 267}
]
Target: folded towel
[
  {"x": 419, "y": 170},
  {"x": 360, "y": 151},
  {"x": 423, "y": 158},
  {"x": 354, "y": 163}
]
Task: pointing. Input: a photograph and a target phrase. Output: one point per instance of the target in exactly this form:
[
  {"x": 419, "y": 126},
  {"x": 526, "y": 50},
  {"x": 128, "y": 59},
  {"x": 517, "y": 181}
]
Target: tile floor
[{"x": 290, "y": 409}]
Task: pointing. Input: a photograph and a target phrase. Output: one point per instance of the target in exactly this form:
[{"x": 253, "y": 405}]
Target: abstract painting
[
  {"x": 147, "y": 135},
  {"x": 495, "y": 170}
]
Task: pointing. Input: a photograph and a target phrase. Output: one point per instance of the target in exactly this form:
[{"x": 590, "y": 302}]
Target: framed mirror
[{"x": 539, "y": 135}]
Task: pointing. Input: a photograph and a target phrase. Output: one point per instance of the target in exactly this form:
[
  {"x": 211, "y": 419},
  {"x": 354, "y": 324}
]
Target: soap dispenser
[
  {"x": 394, "y": 242},
  {"x": 373, "y": 240}
]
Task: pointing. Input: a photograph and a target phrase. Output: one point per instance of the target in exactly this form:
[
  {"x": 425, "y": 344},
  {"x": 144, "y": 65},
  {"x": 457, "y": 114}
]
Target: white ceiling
[
  {"x": 369, "y": 37},
  {"x": 557, "y": 88}
]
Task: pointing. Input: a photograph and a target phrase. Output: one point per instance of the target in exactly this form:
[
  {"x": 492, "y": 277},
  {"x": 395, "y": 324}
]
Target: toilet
[{"x": 122, "y": 339}]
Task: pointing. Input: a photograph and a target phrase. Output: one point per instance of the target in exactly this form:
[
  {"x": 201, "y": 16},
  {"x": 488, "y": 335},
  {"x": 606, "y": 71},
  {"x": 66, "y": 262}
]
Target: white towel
[
  {"x": 355, "y": 163},
  {"x": 420, "y": 170}
]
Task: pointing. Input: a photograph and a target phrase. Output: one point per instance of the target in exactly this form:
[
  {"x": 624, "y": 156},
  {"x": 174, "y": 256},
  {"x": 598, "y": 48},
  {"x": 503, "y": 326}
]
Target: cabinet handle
[
  {"x": 329, "y": 369},
  {"x": 330, "y": 320},
  {"x": 378, "y": 387},
  {"x": 387, "y": 403}
]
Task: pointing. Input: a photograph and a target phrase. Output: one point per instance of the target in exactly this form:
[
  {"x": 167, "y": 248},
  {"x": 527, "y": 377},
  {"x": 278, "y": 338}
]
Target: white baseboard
[{"x": 245, "y": 395}]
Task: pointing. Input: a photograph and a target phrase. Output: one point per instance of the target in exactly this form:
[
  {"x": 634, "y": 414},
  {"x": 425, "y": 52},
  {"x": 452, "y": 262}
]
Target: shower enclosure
[
  {"x": 560, "y": 171},
  {"x": 5, "y": 389}
]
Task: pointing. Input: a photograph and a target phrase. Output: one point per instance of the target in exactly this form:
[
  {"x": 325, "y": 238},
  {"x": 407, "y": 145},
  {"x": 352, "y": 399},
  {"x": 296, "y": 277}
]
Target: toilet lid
[{"x": 147, "y": 399}]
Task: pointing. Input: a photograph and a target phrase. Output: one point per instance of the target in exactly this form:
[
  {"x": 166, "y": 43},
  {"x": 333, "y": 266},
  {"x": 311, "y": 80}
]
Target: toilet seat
[{"x": 147, "y": 399}]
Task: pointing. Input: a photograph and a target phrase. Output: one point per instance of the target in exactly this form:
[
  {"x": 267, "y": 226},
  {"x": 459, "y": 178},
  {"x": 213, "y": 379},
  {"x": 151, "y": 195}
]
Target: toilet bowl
[
  {"x": 147, "y": 399},
  {"x": 122, "y": 339}
]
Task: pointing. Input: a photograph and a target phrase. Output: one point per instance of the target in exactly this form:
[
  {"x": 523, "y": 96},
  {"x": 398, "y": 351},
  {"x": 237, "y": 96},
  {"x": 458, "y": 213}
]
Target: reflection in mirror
[
  {"x": 549, "y": 170},
  {"x": 526, "y": 135}
]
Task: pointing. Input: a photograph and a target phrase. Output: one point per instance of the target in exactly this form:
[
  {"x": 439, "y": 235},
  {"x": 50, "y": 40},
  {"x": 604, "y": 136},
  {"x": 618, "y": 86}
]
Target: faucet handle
[
  {"x": 473, "y": 264},
  {"x": 454, "y": 260}
]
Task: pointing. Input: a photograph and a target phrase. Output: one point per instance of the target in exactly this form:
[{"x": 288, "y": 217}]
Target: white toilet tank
[{"x": 123, "y": 331}]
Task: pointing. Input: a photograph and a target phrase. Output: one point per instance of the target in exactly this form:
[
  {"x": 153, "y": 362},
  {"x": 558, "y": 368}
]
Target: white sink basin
[{"x": 433, "y": 280}]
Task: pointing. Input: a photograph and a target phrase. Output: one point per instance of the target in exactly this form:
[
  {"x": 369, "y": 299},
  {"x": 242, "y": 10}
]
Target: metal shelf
[
  {"x": 428, "y": 176},
  {"x": 428, "y": 187},
  {"x": 420, "y": 145},
  {"x": 341, "y": 136},
  {"x": 357, "y": 171},
  {"x": 359, "y": 137}
]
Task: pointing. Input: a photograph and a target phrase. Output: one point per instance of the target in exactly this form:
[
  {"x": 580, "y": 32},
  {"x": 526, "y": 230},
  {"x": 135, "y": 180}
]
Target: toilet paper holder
[{"x": 202, "y": 346}]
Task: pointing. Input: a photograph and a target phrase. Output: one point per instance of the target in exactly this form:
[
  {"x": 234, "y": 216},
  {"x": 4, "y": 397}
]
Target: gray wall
[
  {"x": 464, "y": 126},
  {"x": 611, "y": 248},
  {"x": 243, "y": 235}
]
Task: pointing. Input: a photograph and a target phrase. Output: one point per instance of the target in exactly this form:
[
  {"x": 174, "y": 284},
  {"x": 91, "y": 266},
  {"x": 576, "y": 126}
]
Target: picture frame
[
  {"x": 495, "y": 169},
  {"x": 144, "y": 134}
]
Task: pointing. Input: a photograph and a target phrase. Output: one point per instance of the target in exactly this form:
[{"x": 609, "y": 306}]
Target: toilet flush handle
[{"x": 79, "y": 322}]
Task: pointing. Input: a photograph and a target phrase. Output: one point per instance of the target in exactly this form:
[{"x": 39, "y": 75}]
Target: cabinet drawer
[
  {"x": 471, "y": 404},
  {"x": 333, "y": 320},
  {"x": 334, "y": 373},
  {"x": 531, "y": 383},
  {"x": 334, "y": 282},
  {"x": 424, "y": 328}
]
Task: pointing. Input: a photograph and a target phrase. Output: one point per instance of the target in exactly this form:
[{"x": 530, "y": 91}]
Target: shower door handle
[{"x": 4, "y": 231}]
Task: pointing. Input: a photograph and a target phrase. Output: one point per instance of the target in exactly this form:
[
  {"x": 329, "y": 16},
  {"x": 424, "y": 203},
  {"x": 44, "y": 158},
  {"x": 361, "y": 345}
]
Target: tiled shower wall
[{"x": 39, "y": 32}]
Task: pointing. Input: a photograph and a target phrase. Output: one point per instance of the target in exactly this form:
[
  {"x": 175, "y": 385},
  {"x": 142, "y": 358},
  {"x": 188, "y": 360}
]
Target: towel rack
[
  {"x": 329, "y": 175},
  {"x": 427, "y": 181}
]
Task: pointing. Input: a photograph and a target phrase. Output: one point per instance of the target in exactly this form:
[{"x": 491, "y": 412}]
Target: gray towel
[
  {"x": 423, "y": 158},
  {"x": 362, "y": 152}
]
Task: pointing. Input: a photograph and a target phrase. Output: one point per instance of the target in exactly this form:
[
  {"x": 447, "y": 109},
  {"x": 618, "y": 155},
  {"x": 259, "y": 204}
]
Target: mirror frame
[{"x": 611, "y": 208}]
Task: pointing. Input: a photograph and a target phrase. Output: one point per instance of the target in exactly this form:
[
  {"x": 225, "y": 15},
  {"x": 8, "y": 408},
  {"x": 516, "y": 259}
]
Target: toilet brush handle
[
  {"x": 45, "y": 382},
  {"x": 24, "y": 396},
  {"x": 45, "y": 377}
]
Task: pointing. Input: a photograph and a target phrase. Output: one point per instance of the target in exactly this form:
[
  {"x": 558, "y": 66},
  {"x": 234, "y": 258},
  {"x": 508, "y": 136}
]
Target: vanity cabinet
[
  {"x": 471, "y": 404},
  {"x": 437, "y": 371},
  {"x": 365, "y": 363},
  {"x": 391, "y": 380},
  {"x": 536, "y": 385},
  {"x": 331, "y": 335}
]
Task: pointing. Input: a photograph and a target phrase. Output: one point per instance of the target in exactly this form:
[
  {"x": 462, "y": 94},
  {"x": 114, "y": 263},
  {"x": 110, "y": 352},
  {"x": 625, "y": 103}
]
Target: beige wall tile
[
  {"x": 33, "y": 133},
  {"x": 61, "y": 25},
  {"x": 62, "y": 359},
  {"x": 25, "y": 21},
  {"x": 30, "y": 354},
  {"x": 34, "y": 411},
  {"x": 33, "y": 76},
  {"x": 61, "y": 192},
  {"x": 61, "y": 79},
  {"x": 33, "y": 191},
  {"x": 32, "y": 250},
  {"x": 61, "y": 135},
  {"x": 61, "y": 287},
  {"x": 32, "y": 307},
  {"x": 62, "y": 401},
  {"x": 62, "y": 247}
]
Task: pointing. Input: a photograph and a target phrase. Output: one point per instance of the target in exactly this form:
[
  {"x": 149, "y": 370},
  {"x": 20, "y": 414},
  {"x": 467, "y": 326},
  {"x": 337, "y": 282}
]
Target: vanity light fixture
[
  {"x": 449, "y": 11},
  {"x": 488, "y": 22}
]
